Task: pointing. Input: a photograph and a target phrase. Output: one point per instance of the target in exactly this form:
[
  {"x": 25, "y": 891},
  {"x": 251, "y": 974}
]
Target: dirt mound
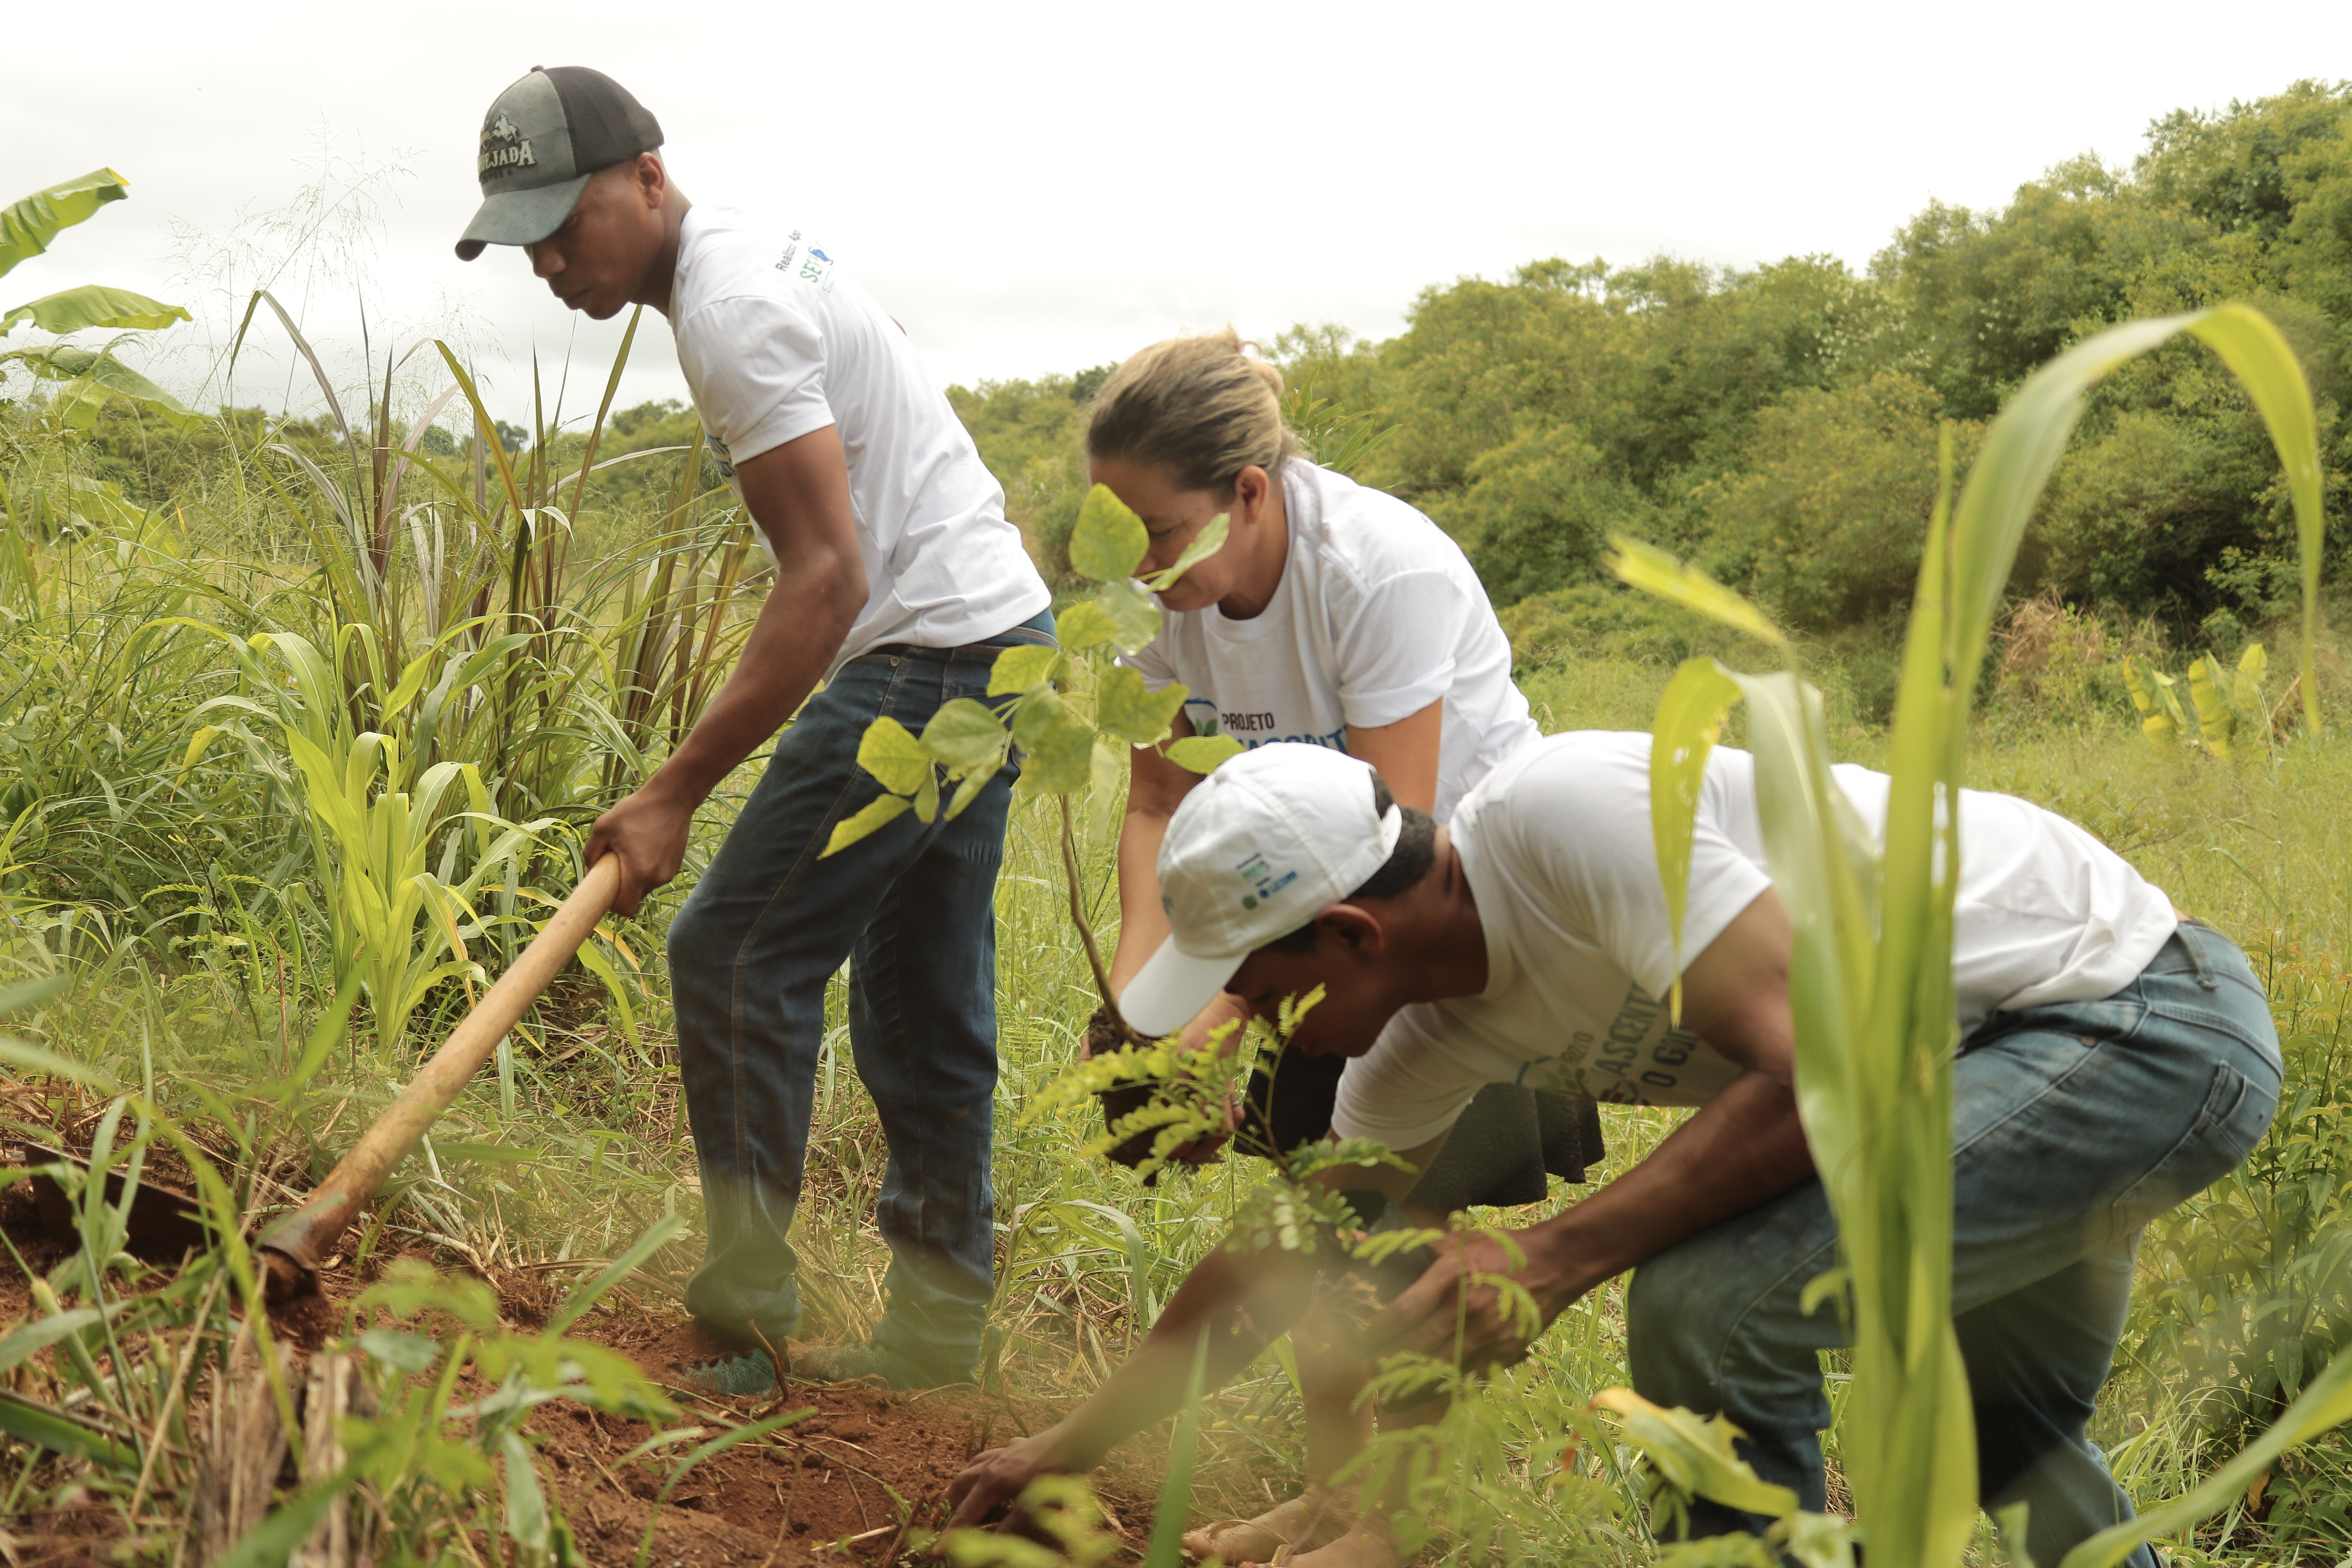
[
  {"x": 866, "y": 1471},
  {"x": 868, "y": 1468}
]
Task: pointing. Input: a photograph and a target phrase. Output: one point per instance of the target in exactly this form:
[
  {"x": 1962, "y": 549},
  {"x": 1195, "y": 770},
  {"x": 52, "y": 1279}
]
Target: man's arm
[
  {"x": 1741, "y": 1147},
  {"x": 798, "y": 493},
  {"x": 1240, "y": 1301},
  {"x": 1243, "y": 1300}
]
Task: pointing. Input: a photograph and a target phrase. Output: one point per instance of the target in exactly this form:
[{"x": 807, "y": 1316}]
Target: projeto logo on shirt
[{"x": 1252, "y": 729}]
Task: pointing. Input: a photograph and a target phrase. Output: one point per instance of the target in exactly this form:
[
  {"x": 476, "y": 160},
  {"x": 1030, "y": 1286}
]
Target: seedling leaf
[
  {"x": 871, "y": 818},
  {"x": 1126, "y": 708},
  {"x": 1202, "y": 754},
  {"x": 891, "y": 753},
  {"x": 1134, "y": 614},
  {"x": 1206, "y": 544},
  {"x": 1086, "y": 624},
  {"x": 1109, "y": 539},
  {"x": 1019, "y": 669},
  {"x": 964, "y": 734}
]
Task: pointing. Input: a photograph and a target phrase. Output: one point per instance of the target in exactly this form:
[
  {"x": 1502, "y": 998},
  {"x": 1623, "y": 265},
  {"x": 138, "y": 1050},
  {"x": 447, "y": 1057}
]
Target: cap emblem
[
  {"x": 504, "y": 147},
  {"x": 1263, "y": 880}
]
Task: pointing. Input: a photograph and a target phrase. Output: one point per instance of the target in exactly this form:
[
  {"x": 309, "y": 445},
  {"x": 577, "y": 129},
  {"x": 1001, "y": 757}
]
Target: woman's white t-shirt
[
  {"x": 1378, "y": 615},
  {"x": 1557, "y": 847},
  {"x": 776, "y": 341}
]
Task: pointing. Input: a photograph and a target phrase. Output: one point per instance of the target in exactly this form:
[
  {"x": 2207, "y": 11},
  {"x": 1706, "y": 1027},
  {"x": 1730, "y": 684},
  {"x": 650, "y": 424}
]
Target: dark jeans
[
  {"x": 912, "y": 908},
  {"x": 2073, "y": 1126}
]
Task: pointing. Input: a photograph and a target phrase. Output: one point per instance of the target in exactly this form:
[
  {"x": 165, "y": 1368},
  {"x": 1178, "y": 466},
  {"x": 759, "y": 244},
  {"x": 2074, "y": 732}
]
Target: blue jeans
[
  {"x": 2073, "y": 1125},
  {"x": 912, "y": 908}
]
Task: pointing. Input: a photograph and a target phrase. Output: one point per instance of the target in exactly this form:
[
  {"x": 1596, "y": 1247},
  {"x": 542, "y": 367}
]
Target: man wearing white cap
[{"x": 2115, "y": 1059}]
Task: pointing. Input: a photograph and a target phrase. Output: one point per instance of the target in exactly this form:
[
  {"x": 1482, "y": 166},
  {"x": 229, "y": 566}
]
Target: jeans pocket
[{"x": 2232, "y": 1119}]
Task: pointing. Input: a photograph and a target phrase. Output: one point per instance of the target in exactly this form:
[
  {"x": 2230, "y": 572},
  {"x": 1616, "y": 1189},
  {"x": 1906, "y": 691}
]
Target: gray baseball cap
[{"x": 540, "y": 142}]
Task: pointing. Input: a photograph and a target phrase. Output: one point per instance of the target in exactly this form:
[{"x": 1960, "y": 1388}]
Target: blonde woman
[{"x": 1337, "y": 615}]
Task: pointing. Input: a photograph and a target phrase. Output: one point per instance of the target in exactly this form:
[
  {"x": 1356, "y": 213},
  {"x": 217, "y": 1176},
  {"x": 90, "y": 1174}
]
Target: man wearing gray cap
[
  {"x": 897, "y": 581},
  {"x": 2114, "y": 1059}
]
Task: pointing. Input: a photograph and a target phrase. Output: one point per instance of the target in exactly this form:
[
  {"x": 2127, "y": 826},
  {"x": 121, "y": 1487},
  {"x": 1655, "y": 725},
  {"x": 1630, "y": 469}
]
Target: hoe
[{"x": 293, "y": 1245}]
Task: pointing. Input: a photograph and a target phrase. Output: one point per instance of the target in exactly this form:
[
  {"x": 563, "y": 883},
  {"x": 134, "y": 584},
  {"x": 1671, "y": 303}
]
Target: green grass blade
[
  {"x": 37, "y": 1423},
  {"x": 1166, "y": 1549},
  {"x": 2266, "y": 367},
  {"x": 657, "y": 1236},
  {"x": 2325, "y": 1405}
]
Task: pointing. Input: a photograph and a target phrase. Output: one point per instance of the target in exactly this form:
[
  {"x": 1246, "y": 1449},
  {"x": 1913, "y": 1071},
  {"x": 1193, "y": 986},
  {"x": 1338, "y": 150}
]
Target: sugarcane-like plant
[{"x": 1871, "y": 977}]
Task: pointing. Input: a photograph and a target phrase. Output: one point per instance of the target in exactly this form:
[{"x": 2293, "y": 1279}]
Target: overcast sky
[{"x": 1044, "y": 186}]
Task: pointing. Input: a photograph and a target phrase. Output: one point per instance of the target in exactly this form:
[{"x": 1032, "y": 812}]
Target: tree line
[{"x": 1779, "y": 423}]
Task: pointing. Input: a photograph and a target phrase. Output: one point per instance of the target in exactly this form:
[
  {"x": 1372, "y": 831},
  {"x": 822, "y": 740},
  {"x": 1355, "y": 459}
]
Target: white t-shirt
[
  {"x": 1378, "y": 615},
  {"x": 1557, "y": 848},
  {"x": 777, "y": 340}
]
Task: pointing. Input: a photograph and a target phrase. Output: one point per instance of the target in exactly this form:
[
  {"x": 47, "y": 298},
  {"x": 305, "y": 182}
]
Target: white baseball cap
[{"x": 1257, "y": 850}]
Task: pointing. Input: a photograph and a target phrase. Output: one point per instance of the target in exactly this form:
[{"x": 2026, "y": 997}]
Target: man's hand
[
  {"x": 1102, "y": 1040},
  {"x": 998, "y": 1477},
  {"x": 798, "y": 493},
  {"x": 1458, "y": 1305},
  {"x": 648, "y": 831}
]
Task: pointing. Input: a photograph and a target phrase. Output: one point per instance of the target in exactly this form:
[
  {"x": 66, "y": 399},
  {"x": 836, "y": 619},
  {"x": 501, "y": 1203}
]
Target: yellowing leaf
[
  {"x": 2158, "y": 725},
  {"x": 1206, "y": 544},
  {"x": 1060, "y": 760},
  {"x": 1105, "y": 770},
  {"x": 1134, "y": 614},
  {"x": 891, "y": 753},
  {"x": 1652, "y": 570},
  {"x": 1038, "y": 712},
  {"x": 927, "y": 798},
  {"x": 1086, "y": 624},
  {"x": 1126, "y": 708},
  {"x": 1694, "y": 1452},
  {"x": 204, "y": 737},
  {"x": 1109, "y": 539},
  {"x": 1202, "y": 754},
  {"x": 1019, "y": 669},
  {"x": 963, "y": 735},
  {"x": 969, "y": 791},
  {"x": 2208, "y": 683},
  {"x": 876, "y": 814}
]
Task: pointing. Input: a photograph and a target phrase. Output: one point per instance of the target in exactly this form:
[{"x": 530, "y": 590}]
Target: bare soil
[{"x": 859, "y": 1479}]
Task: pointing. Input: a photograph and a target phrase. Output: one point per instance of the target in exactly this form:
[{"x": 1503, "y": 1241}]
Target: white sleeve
[
  {"x": 1407, "y": 1090},
  {"x": 757, "y": 369},
  {"x": 1396, "y": 645},
  {"x": 1589, "y": 827},
  {"x": 1151, "y": 661}
]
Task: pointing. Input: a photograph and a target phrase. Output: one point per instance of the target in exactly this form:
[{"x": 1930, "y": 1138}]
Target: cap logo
[
  {"x": 504, "y": 147},
  {"x": 1264, "y": 882}
]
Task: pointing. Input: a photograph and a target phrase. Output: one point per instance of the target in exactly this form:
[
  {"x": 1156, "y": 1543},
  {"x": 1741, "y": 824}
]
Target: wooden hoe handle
[{"x": 294, "y": 1244}]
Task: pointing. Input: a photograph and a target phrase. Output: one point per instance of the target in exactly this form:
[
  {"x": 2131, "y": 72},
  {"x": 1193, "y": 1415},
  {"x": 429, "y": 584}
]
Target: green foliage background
[{"x": 1776, "y": 423}]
